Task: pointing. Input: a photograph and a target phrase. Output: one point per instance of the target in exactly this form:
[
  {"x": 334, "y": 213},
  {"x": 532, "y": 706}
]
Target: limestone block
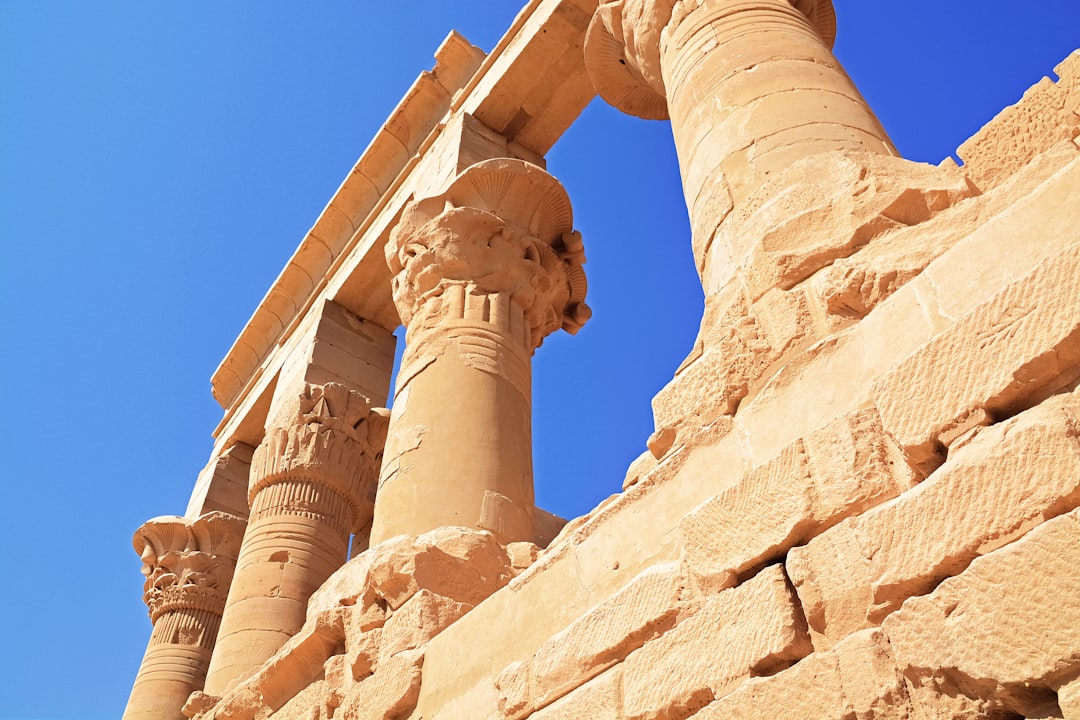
[
  {"x": 522, "y": 555},
  {"x": 645, "y": 609},
  {"x": 1069, "y": 700},
  {"x": 856, "y": 679},
  {"x": 832, "y": 576},
  {"x": 1006, "y": 354},
  {"x": 838, "y": 471},
  {"x": 851, "y": 287},
  {"x": 547, "y": 525},
  {"x": 389, "y": 694},
  {"x": 459, "y": 563},
  {"x": 641, "y": 466},
  {"x": 222, "y": 484},
  {"x": 422, "y": 617},
  {"x": 1006, "y": 480},
  {"x": 1002, "y": 632},
  {"x": 759, "y": 627},
  {"x": 362, "y": 652},
  {"x": 737, "y": 344},
  {"x": 822, "y": 208},
  {"x": 1048, "y": 112},
  {"x": 514, "y": 687},
  {"x": 598, "y": 699}
]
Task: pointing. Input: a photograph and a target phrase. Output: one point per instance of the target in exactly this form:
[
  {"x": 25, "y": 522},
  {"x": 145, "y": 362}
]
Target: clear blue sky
[{"x": 159, "y": 162}]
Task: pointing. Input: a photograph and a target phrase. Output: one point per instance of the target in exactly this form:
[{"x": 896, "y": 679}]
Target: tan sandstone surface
[{"x": 862, "y": 495}]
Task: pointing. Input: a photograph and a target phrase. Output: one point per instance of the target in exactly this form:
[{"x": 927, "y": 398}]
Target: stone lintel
[{"x": 466, "y": 109}]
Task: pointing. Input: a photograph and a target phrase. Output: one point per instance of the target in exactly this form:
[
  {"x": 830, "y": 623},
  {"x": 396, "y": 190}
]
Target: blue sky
[{"x": 159, "y": 162}]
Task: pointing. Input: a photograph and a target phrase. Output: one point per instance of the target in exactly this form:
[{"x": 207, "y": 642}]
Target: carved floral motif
[
  {"x": 504, "y": 228},
  {"x": 188, "y": 564},
  {"x": 330, "y": 436}
]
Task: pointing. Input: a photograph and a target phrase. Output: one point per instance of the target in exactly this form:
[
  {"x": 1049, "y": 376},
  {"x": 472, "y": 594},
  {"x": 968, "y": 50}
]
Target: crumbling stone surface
[
  {"x": 370, "y": 622},
  {"x": 856, "y": 679},
  {"x": 1007, "y": 354},
  {"x": 648, "y": 607},
  {"x": 758, "y": 624},
  {"x": 1002, "y": 633},
  {"x": 1009, "y": 478},
  {"x": 860, "y": 500},
  {"x": 1048, "y": 112},
  {"x": 826, "y": 207},
  {"x": 388, "y": 695},
  {"x": 598, "y": 699},
  {"x": 839, "y": 471}
]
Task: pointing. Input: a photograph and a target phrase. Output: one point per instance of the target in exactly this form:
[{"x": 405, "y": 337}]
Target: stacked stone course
[{"x": 862, "y": 495}]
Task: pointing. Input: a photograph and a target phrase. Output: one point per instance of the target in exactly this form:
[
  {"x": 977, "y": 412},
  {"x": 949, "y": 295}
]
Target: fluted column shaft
[
  {"x": 310, "y": 480},
  {"x": 188, "y": 568},
  {"x": 482, "y": 274}
]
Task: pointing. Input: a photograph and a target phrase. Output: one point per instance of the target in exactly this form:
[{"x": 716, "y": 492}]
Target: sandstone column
[
  {"x": 749, "y": 85},
  {"x": 310, "y": 481},
  {"x": 188, "y": 567},
  {"x": 482, "y": 274}
]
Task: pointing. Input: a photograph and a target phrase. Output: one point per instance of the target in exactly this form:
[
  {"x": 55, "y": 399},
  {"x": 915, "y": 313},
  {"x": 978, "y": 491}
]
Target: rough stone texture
[
  {"x": 389, "y": 694},
  {"x": 464, "y": 565},
  {"x": 1007, "y": 479},
  {"x": 838, "y": 471},
  {"x": 809, "y": 218},
  {"x": 1002, "y": 632},
  {"x": 598, "y": 699},
  {"x": 1069, "y": 699},
  {"x": 856, "y": 679},
  {"x": 649, "y": 606},
  {"x": 737, "y": 345},
  {"x": 1048, "y": 112},
  {"x": 760, "y": 627},
  {"x": 869, "y": 323},
  {"x": 421, "y": 618},
  {"x": 1007, "y": 354}
]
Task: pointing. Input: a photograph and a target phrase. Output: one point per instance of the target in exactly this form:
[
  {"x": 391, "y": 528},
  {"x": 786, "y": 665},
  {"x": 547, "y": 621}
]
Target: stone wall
[{"x": 862, "y": 498}]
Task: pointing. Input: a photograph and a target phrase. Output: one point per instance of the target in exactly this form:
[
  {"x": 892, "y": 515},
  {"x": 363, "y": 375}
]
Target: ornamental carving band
[
  {"x": 188, "y": 564},
  {"x": 503, "y": 227},
  {"x": 330, "y": 436}
]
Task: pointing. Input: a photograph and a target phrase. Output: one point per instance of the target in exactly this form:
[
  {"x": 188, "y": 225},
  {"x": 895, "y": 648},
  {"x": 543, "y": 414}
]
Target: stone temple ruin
[{"x": 860, "y": 500}]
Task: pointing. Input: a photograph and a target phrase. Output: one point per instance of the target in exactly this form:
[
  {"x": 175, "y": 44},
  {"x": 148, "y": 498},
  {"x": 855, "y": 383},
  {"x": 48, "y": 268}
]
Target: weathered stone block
[
  {"x": 856, "y": 679},
  {"x": 1047, "y": 113},
  {"x": 648, "y": 607},
  {"x": 825, "y": 207},
  {"x": 1068, "y": 698},
  {"x": 389, "y": 694},
  {"x": 737, "y": 344},
  {"x": 1007, "y": 354},
  {"x": 832, "y": 576},
  {"x": 759, "y": 628},
  {"x": 459, "y": 563},
  {"x": 598, "y": 699},
  {"x": 833, "y": 473},
  {"x": 1006, "y": 480},
  {"x": 1005, "y": 631},
  {"x": 422, "y": 617},
  {"x": 514, "y": 687}
]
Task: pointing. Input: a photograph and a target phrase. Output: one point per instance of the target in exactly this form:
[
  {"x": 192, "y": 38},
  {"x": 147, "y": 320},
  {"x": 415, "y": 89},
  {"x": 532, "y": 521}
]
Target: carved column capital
[
  {"x": 623, "y": 45},
  {"x": 188, "y": 564},
  {"x": 329, "y": 435},
  {"x": 503, "y": 228}
]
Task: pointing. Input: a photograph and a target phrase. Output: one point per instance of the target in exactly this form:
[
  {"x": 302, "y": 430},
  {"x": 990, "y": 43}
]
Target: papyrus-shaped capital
[
  {"x": 188, "y": 564},
  {"x": 328, "y": 435},
  {"x": 503, "y": 228}
]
